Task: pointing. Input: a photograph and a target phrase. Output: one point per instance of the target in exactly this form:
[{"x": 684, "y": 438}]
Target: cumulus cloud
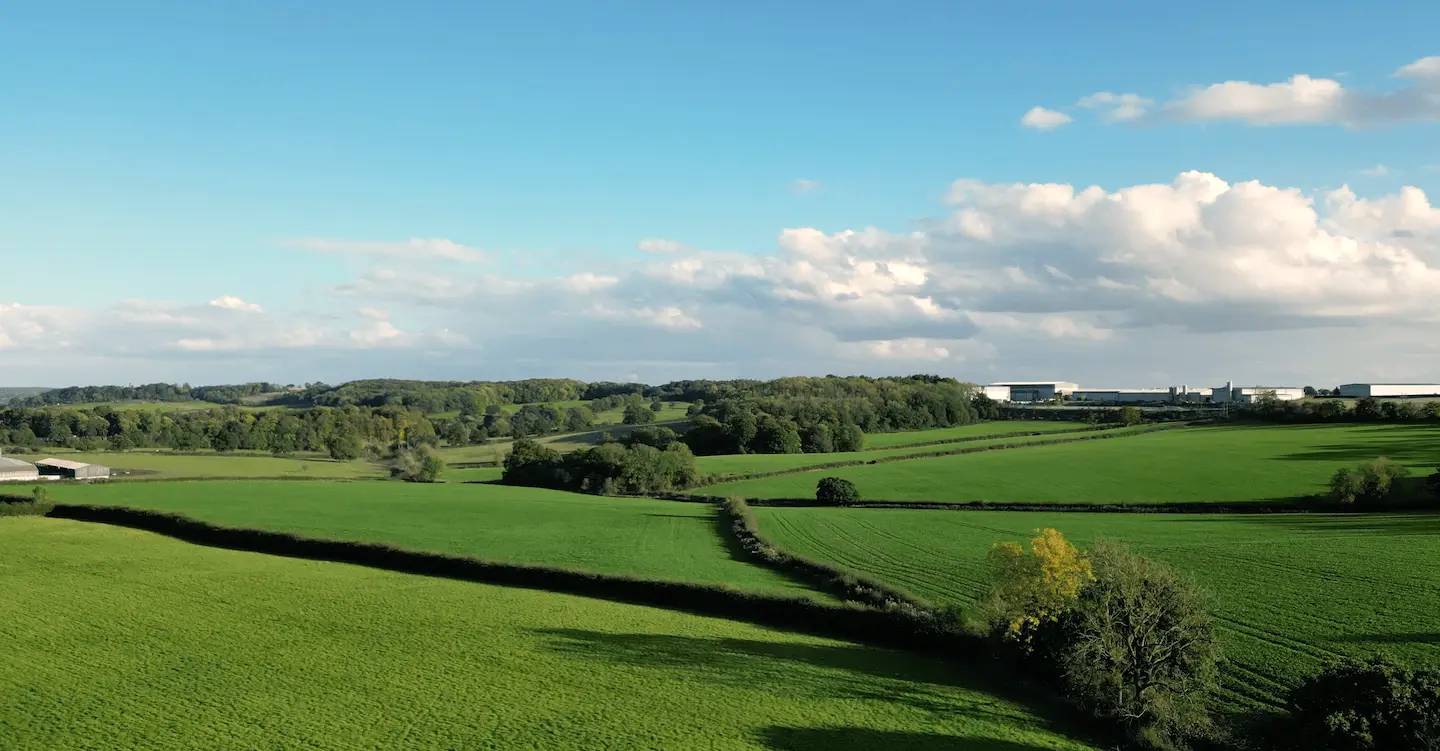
[
  {"x": 1298, "y": 100},
  {"x": 1040, "y": 118},
  {"x": 414, "y": 249},
  {"x": 1040, "y": 277},
  {"x": 802, "y": 186}
]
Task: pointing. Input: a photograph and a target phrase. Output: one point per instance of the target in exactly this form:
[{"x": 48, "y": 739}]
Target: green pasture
[
  {"x": 1223, "y": 463},
  {"x": 473, "y": 474},
  {"x": 124, "y": 640},
  {"x": 967, "y": 432},
  {"x": 737, "y": 464},
  {"x": 560, "y": 442},
  {"x": 168, "y": 464},
  {"x": 1290, "y": 591},
  {"x": 636, "y": 536}
]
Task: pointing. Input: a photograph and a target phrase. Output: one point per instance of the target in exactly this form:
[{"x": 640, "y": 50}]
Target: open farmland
[
  {"x": 739, "y": 464},
  {"x": 171, "y": 465},
  {"x": 968, "y": 432},
  {"x": 496, "y": 450},
  {"x": 636, "y": 536},
  {"x": 1222, "y": 463},
  {"x": 124, "y": 640},
  {"x": 1290, "y": 591}
]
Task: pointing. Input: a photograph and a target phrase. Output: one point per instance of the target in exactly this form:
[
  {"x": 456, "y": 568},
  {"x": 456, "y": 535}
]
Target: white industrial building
[
  {"x": 998, "y": 393},
  {"x": 1230, "y": 393},
  {"x": 1123, "y": 396},
  {"x": 1030, "y": 391},
  {"x": 14, "y": 470},
  {"x": 1389, "y": 389}
]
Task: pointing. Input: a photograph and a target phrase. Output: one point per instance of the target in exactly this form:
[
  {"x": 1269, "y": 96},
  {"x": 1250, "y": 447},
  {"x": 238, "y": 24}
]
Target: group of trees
[
  {"x": 611, "y": 468},
  {"x": 152, "y": 392},
  {"x": 1382, "y": 483},
  {"x": 1365, "y": 409},
  {"x": 346, "y": 433},
  {"x": 1122, "y": 636}
]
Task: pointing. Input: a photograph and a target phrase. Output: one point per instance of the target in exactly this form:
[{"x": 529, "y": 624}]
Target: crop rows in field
[
  {"x": 635, "y": 536},
  {"x": 1290, "y": 591},
  {"x": 1202, "y": 464},
  {"x": 124, "y": 640}
]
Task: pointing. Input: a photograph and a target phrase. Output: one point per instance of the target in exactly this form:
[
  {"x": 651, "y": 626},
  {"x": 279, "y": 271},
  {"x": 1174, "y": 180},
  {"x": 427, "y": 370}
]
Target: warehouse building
[
  {"x": 1123, "y": 396},
  {"x": 1230, "y": 393},
  {"x": 1389, "y": 389},
  {"x": 998, "y": 393},
  {"x": 14, "y": 470},
  {"x": 61, "y": 468},
  {"x": 1034, "y": 391}
]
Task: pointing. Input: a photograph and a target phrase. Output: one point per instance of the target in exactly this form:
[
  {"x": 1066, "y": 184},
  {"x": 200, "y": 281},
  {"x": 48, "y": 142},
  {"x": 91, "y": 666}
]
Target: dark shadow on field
[
  {"x": 1418, "y": 638},
  {"x": 1382, "y": 523},
  {"x": 865, "y": 673},
  {"x": 866, "y": 739},
  {"x": 1408, "y": 443}
]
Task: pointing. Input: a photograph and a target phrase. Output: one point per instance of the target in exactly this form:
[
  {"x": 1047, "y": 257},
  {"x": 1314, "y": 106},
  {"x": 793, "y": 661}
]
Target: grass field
[
  {"x": 637, "y": 536},
  {"x": 181, "y": 466},
  {"x": 561, "y": 442},
  {"x": 1290, "y": 591},
  {"x": 735, "y": 464},
  {"x": 123, "y": 640},
  {"x": 964, "y": 432},
  {"x": 1227, "y": 463}
]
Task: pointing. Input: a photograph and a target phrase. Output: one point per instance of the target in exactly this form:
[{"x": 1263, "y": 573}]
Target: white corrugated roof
[
  {"x": 13, "y": 464},
  {"x": 61, "y": 463}
]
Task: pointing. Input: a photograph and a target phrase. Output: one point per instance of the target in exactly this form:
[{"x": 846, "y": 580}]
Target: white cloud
[
  {"x": 1225, "y": 278},
  {"x": 414, "y": 249},
  {"x": 1040, "y": 118},
  {"x": 802, "y": 186},
  {"x": 1298, "y": 100},
  {"x": 1378, "y": 170},
  {"x": 230, "y": 302}
]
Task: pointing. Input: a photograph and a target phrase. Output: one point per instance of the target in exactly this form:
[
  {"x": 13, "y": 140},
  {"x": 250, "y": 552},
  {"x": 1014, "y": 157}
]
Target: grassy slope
[
  {"x": 1229, "y": 463},
  {"x": 1290, "y": 591},
  {"x": 734, "y": 464},
  {"x": 642, "y": 537},
  {"x": 123, "y": 640},
  {"x": 961, "y": 432},
  {"x": 172, "y": 465},
  {"x": 561, "y": 442}
]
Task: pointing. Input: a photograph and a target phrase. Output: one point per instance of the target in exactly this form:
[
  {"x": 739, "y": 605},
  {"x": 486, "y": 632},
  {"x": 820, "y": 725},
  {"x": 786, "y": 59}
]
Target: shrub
[
  {"x": 37, "y": 503},
  {"x": 836, "y": 491},
  {"x": 1357, "y": 706},
  {"x": 1372, "y": 483},
  {"x": 419, "y": 464},
  {"x": 1130, "y": 416},
  {"x": 1141, "y": 649},
  {"x": 638, "y": 414}
]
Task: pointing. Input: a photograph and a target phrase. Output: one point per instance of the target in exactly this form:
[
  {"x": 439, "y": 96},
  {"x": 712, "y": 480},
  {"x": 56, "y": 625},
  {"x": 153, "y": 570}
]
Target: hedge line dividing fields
[{"x": 123, "y": 640}]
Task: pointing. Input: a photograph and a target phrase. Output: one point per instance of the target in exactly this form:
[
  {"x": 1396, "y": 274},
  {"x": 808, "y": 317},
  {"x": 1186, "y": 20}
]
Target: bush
[
  {"x": 36, "y": 503},
  {"x": 417, "y": 465},
  {"x": 638, "y": 414},
  {"x": 836, "y": 491},
  {"x": 1357, "y": 706},
  {"x": 1372, "y": 483},
  {"x": 1141, "y": 649}
]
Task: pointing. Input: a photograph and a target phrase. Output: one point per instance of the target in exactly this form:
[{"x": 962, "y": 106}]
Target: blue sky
[{"x": 182, "y": 153}]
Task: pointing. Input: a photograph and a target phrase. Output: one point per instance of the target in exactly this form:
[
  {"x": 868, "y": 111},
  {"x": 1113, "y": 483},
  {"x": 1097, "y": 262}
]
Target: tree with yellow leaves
[{"x": 1034, "y": 588}]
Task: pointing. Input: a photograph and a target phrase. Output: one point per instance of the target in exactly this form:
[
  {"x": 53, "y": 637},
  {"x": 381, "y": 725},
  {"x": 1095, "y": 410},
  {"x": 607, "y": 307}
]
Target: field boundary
[
  {"x": 993, "y": 436},
  {"x": 739, "y": 525},
  {"x": 1066, "y": 437},
  {"x": 894, "y": 627}
]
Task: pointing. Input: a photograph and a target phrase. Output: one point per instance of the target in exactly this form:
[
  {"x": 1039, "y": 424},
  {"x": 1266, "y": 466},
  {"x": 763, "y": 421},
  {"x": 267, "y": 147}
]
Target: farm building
[
  {"x": 14, "y": 470},
  {"x": 1248, "y": 394},
  {"x": 53, "y": 467},
  {"x": 1389, "y": 389},
  {"x": 1035, "y": 391}
]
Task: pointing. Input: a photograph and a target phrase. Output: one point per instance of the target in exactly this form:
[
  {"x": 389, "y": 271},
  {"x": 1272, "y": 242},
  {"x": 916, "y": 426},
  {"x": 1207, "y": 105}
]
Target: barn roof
[
  {"x": 8, "y": 464},
  {"x": 61, "y": 463}
]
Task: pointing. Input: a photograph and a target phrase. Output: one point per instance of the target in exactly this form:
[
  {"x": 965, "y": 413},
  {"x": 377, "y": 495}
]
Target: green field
[
  {"x": 561, "y": 442},
  {"x": 1290, "y": 591},
  {"x": 739, "y": 464},
  {"x": 964, "y": 432},
  {"x": 123, "y": 640},
  {"x": 636, "y": 536},
  {"x": 165, "y": 464},
  {"x": 1228, "y": 463}
]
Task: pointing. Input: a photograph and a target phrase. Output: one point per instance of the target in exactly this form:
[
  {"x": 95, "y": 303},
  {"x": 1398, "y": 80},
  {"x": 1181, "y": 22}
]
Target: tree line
[
  {"x": 152, "y": 392},
  {"x": 1364, "y": 409},
  {"x": 631, "y": 467}
]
